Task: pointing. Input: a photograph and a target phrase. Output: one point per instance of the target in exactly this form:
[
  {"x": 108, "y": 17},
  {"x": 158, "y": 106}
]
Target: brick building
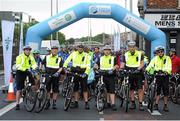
[{"x": 165, "y": 14}]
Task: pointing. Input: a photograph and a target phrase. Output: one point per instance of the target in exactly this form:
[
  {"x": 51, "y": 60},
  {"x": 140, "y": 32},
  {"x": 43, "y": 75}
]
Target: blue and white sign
[
  {"x": 100, "y": 10},
  {"x": 62, "y": 20},
  {"x": 136, "y": 23},
  {"x": 7, "y": 39}
]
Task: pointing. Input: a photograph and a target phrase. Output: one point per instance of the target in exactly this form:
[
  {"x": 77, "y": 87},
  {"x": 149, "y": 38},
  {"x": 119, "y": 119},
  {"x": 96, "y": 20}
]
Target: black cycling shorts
[
  {"x": 52, "y": 83},
  {"x": 136, "y": 81},
  {"x": 162, "y": 84},
  {"x": 110, "y": 84},
  {"x": 21, "y": 77},
  {"x": 82, "y": 82}
]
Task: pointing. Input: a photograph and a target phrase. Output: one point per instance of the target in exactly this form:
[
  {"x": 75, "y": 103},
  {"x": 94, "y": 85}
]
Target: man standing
[
  {"x": 96, "y": 55},
  {"x": 108, "y": 63},
  {"x": 24, "y": 62},
  {"x": 37, "y": 58},
  {"x": 53, "y": 65},
  {"x": 81, "y": 65},
  {"x": 162, "y": 65},
  {"x": 175, "y": 61},
  {"x": 63, "y": 53},
  {"x": 134, "y": 61}
]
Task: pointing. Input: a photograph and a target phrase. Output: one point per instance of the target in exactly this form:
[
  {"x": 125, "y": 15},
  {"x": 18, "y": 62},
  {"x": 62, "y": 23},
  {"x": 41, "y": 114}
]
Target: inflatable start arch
[{"x": 36, "y": 33}]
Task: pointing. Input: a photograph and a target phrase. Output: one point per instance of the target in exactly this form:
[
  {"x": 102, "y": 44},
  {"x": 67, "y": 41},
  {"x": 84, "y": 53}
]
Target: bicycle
[
  {"x": 151, "y": 91},
  {"x": 100, "y": 91},
  {"x": 70, "y": 90},
  {"x": 42, "y": 93},
  {"x": 174, "y": 89},
  {"x": 29, "y": 95},
  {"x": 125, "y": 88}
]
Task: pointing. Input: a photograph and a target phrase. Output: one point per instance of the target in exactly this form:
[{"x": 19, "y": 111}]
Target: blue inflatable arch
[{"x": 36, "y": 33}]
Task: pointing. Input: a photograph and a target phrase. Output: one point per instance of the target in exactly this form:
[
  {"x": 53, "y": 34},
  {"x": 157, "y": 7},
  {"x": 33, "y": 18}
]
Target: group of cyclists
[{"x": 82, "y": 60}]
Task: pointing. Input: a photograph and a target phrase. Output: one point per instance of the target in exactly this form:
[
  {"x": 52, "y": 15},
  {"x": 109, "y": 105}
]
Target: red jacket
[{"x": 175, "y": 64}]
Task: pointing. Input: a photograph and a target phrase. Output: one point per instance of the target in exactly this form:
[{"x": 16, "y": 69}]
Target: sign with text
[
  {"x": 164, "y": 20},
  {"x": 7, "y": 39}
]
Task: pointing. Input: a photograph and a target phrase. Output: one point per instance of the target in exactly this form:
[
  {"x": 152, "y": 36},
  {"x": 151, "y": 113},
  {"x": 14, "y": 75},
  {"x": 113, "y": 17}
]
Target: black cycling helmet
[
  {"x": 80, "y": 46},
  {"x": 54, "y": 47}
]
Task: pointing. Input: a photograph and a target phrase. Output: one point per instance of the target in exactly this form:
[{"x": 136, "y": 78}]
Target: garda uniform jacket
[
  {"x": 160, "y": 64},
  {"x": 24, "y": 62},
  {"x": 81, "y": 60}
]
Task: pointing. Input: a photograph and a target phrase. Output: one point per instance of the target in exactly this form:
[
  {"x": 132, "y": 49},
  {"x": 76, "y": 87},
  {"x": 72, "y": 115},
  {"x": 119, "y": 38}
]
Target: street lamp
[
  {"x": 51, "y": 15},
  {"x": 57, "y": 7}
]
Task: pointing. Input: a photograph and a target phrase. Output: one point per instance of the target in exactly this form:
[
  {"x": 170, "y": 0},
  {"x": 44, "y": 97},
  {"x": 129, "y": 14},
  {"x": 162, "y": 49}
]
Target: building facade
[{"x": 164, "y": 14}]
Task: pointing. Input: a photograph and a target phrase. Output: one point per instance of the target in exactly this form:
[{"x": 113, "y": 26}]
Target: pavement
[
  {"x": 2, "y": 100},
  {"x": 2, "y": 93},
  {"x": 92, "y": 114}
]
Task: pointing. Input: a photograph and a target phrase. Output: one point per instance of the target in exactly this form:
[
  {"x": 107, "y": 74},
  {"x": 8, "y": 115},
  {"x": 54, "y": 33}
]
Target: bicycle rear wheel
[
  {"x": 172, "y": 92},
  {"x": 29, "y": 99},
  {"x": 177, "y": 95},
  {"x": 121, "y": 95},
  {"x": 41, "y": 100},
  {"x": 68, "y": 98}
]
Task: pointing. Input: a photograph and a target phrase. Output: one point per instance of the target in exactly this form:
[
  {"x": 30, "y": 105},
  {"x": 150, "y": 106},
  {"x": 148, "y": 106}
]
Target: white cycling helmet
[
  {"x": 159, "y": 48},
  {"x": 131, "y": 43}
]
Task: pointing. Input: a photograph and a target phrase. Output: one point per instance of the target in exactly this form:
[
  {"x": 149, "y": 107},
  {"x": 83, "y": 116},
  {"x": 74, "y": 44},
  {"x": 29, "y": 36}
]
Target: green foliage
[
  {"x": 61, "y": 37},
  {"x": 98, "y": 38},
  {"x": 70, "y": 41}
]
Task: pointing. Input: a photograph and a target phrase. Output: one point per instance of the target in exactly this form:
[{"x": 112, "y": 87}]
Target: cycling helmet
[
  {"x": 27, "y": 47},
  {"x": 173, "y": 50},
  {"x": 160, "y": 48},
  {"x": 80, "y": 46},
  {"x": 36, "y": 52},
  {"x": 106, "y": 47},
  {"x": 47, "y": 49},
  {"x": 54, "y": 47},
  {"x": 131, "y": 43}
]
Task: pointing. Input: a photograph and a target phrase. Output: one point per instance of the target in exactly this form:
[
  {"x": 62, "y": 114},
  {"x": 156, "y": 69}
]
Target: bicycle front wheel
[
  {"x": 68, "y": 99},
  {"x": 151, "y": 98},
  {"x": 41, "y": 100},
  {"x": 29, "y": 99},
  {"x": 100, "y": 101},
  {"x": 126, "y": 98}
]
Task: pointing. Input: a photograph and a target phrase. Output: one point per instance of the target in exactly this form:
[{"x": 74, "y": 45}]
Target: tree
[
  {"x": 61, "y": 37},
  {"x": 70, "y": 41}
]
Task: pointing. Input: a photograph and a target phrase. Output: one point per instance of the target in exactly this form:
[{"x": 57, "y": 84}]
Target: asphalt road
[
  {"x": 82, "y": 114},
  {"x": 92, "y": 114}
]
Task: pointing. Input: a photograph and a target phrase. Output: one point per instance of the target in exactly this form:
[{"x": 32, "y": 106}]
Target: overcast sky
[{"x": 41, "y": 10}]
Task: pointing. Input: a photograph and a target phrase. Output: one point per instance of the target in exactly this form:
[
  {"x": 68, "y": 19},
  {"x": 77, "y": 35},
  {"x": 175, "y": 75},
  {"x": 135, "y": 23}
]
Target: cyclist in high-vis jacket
[
  {"x": 134, "y": 60},
  {"x": 24, "y": 62},
  {"x": 161, "y": 64},
  {"x": 108, "y": 63},
  {"x": 81, "y": 65},
  {"x": 53, "y": 68}
]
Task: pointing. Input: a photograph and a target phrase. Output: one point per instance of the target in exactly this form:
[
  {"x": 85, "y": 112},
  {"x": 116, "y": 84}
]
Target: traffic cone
[{"x": 10, "y": 96}]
